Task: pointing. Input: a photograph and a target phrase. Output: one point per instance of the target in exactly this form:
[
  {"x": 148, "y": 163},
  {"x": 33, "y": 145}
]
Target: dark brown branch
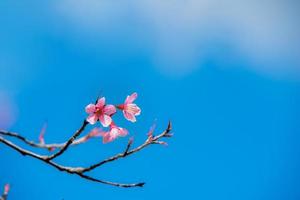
[
  {"x": 79, "y": 170},
  {"x": 3, "y": 197},
  {"x": 20, "y": 150},
  {"x": 70, "y": 170},
  {"x": 25, "y": 152},
  {"x": 43, "y": 146},
  {"x": 141, "y": 184},
  {"x": 69, "y": 142},
  {"x": 127, "y": 153},
  {"x": 128, "y": 147}
]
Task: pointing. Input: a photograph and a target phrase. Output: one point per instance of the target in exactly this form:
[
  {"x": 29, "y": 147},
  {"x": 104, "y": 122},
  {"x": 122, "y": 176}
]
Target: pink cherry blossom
[
  {"x": 100, "y": 112},
  {"x": 42, "y": 134},
  {"x": 95, "y": 132},
  {"x": 113, "y": 133},
  {"x": 6, "y": 189},
  {"x": 130, "y": 110}
]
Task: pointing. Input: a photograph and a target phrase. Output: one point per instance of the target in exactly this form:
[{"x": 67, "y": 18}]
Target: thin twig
[
  {"x": 25, "y": 152},
  {"x": 141, "y": 184},
  {"x": 79, "y": 170},
  {"x": 69, "y": 142},
  {"x": 42, "y": 146},
  {"x": 123, "y": 155},
  {"x": 3, "y": 197},
  {"x": 130, "y": 141},
  {"x": 70, "y": 170}
]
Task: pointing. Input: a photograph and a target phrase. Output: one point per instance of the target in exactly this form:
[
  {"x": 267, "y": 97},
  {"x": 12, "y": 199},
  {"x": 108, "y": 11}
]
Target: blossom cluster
[{"x": 102, "y": 112}]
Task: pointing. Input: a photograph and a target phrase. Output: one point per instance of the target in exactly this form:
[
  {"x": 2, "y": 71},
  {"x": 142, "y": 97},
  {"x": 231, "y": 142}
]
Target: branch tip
[
  {"x": 141, "y": 184},
  {"x": 169, "y": 128}
]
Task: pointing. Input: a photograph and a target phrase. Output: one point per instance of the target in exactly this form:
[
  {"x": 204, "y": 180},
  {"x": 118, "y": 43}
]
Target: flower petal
[
  {"x": 131, "y": 98},
  {"x": 95, "y": 132},
  {"x": 105, "y": 120},
  {"x": 106, "y": 138},
  {"x": 100, "y": 102},
  {"x": 110, "y": 136},
  {"x": 129, "y": 116},
  {"x": 109, "y": 109},
  {"x": 133, "y": 109},
  {"x": 123, "y": 132},
  {"x": 102, "y": 133},
  {"x": 114, "y": 132},
  {"x": 92, "y": 119},
  {"x": 90, "y": 108}
]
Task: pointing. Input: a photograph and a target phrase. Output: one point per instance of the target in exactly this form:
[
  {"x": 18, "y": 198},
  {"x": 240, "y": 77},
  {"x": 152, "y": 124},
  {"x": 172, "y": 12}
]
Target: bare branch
[
  {"x": 70, "y": 170},
  {"x": 3, "y": 197},
  {"x": 141, "y": 184},
  {"x": 80, "y": 171},
  {"x": 69, "y": 142},
  {"x": 50, "y": 146},
  {"x": 25, "y": 152},
  {"x": 127, "y": 153},
  {"x": 130, "y": 141}
]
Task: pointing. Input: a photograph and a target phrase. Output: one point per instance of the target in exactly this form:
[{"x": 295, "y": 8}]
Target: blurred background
[{"x": 227, "y": 73}]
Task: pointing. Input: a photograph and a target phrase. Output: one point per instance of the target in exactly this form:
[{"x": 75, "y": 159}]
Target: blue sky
[{"x": 226, "y": 74}]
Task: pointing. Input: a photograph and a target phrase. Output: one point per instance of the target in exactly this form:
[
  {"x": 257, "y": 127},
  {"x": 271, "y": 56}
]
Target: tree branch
[
  {"x": 80, "y": 171},
  {"x": 127, "y": 153},
  {"x": 50, "y": 146},
  {"x": 141, "y": 184},
  {"x": 69, "y": 142},
  {"x": 3, "y": 197}
]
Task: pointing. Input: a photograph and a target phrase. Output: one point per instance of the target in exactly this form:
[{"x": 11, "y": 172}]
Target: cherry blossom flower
[
  {"x": 6, "y": 189},
  {"x": 130, "y": 110},
  {"x": 100, "y": 112},
  {"x": 95, "y": 132},
  {"x": 113, "y": 133}
]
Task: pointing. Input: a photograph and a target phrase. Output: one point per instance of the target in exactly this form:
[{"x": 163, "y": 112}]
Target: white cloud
[{"x": 265, "y": 33}]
